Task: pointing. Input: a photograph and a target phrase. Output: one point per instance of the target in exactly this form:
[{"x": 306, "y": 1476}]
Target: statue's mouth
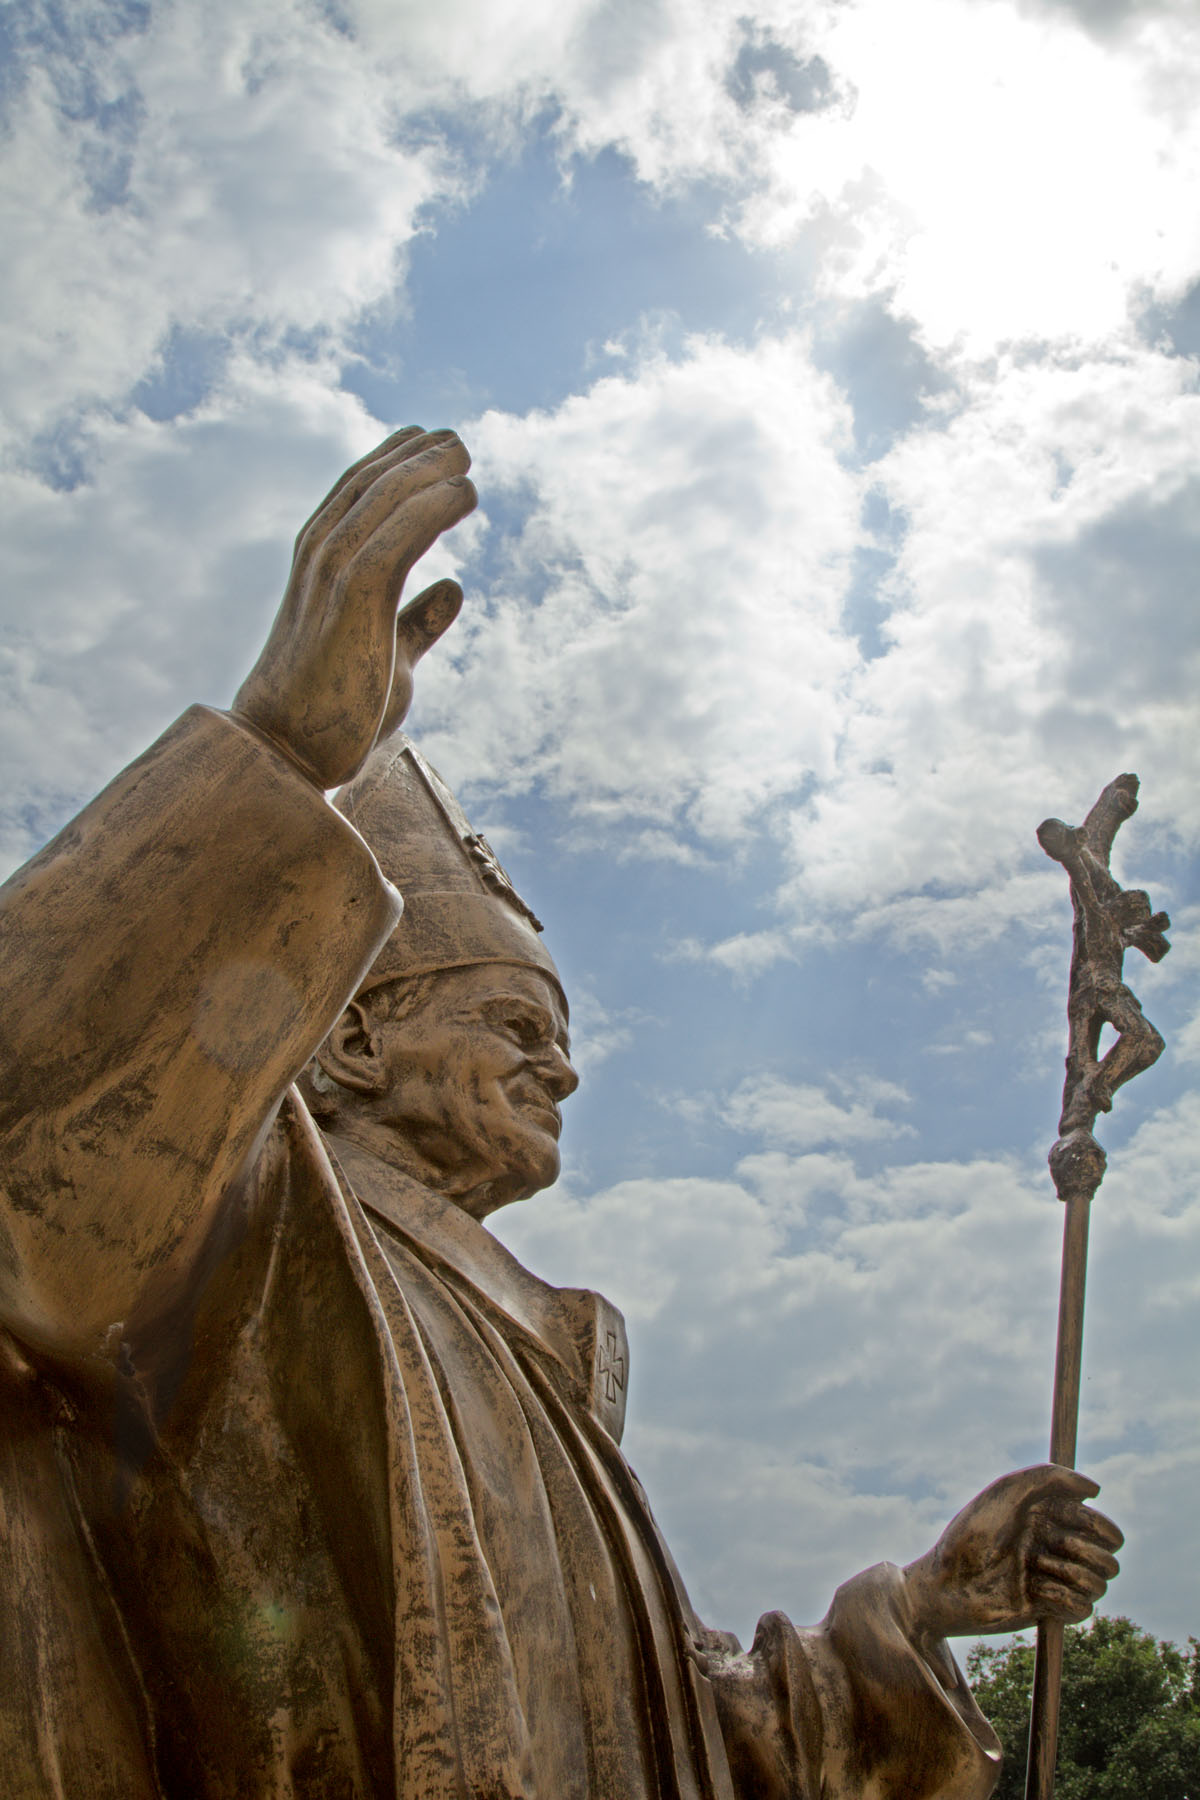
[{"x": 547, "y": 1111}]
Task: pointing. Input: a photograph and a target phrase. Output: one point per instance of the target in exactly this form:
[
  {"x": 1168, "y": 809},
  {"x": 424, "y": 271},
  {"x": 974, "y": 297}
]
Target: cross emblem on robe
[{"x": 611, "y": 1367}]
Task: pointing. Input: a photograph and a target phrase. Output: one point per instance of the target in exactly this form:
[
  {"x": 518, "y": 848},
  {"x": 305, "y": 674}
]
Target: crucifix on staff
[{"x": 1108, "y": 920}]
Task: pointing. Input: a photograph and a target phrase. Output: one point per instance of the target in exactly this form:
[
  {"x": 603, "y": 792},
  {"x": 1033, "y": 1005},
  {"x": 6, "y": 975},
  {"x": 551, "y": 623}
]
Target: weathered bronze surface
[
  {"x": 308, "y": 1487},
  {"x": 1107, "y": 921}
]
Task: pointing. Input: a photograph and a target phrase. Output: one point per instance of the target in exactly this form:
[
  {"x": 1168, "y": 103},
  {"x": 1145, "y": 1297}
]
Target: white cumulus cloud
[{"x": 663, "y": 635}]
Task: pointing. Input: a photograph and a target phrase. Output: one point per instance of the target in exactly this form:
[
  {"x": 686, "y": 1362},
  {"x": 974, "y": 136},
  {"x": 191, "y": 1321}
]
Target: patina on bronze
[
  {"x": 1108, "y": 920},
  {"x": 308, "y": 1487}
]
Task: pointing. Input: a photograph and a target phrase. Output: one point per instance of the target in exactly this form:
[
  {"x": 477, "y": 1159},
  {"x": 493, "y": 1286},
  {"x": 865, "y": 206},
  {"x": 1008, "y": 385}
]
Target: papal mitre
[{"x": 460, "y": 908}]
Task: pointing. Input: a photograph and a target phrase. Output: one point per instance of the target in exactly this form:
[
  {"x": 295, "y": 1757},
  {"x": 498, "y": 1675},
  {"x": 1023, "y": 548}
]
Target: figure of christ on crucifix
[
  {"x": 1109, "y": 920},
  {"x": 309, "y": 1488}
]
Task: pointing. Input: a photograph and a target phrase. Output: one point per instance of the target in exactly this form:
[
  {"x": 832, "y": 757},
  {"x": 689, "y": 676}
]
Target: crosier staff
[{"x": 1108, "y": 921}]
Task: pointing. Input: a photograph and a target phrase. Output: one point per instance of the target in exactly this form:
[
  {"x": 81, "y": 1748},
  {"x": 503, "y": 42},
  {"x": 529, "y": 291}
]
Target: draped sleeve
[
  {"x": 170, "y": 962},
  {"x": 852, "y": 1709}
]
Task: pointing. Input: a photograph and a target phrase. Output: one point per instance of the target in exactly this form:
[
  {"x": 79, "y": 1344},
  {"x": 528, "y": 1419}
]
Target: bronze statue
[{"x": 309, "y": 1488}]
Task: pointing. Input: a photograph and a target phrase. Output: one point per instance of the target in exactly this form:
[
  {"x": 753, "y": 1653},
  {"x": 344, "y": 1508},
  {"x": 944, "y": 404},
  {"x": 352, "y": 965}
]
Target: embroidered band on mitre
[{"x": 460, "y": 908}]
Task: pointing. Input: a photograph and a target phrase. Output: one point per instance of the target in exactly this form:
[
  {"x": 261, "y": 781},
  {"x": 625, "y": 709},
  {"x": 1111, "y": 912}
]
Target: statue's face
[{"x": 471, "y": 1082}]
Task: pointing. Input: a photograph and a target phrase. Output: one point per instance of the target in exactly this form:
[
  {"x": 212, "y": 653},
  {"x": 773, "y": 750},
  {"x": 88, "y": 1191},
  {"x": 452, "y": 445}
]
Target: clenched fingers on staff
[{"x": 1026, "y": 1548}]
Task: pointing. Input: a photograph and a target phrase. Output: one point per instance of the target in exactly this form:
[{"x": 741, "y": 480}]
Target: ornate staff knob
[{"x": 1077, "y": 1165}]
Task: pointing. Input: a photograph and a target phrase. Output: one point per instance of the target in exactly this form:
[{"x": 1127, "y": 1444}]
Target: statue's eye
[{"x": 526, "y": 1027}]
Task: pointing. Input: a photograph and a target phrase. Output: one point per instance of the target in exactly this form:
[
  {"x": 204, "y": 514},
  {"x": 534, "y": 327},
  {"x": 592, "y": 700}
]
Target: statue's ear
[{"x": 352, "y": 1053}]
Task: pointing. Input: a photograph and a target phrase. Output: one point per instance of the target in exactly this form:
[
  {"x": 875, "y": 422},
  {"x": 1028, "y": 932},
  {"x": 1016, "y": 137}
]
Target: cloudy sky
[{"x": 830, "y": 368}]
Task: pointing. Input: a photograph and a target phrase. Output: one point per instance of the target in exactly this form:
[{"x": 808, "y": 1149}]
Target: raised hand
[
  {"x": 1026, "y": 1548},
  {"x": 336, "y": 670}
]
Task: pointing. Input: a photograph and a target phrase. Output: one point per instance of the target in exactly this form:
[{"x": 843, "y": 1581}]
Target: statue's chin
[
  {"x": 520, "y": 1178},
  {"x": 510, "y": 1162}
]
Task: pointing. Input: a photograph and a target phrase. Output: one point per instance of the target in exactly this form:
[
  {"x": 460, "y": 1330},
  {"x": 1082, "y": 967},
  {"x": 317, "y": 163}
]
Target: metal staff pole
[{"x": 1108, "y": 920}]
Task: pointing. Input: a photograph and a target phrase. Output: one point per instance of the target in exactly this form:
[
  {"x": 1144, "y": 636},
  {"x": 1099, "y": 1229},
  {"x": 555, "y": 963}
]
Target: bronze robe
[{"x": 307, "y": 1487}]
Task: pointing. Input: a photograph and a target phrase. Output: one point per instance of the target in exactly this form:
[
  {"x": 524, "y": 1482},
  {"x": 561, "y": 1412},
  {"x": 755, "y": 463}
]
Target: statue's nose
[{"x": 560, "y": 1075}]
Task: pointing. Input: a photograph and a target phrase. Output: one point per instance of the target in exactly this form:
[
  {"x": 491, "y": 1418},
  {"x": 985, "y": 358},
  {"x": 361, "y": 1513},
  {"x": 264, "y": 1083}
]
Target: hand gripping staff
[{"x": 1108, "y": 921}]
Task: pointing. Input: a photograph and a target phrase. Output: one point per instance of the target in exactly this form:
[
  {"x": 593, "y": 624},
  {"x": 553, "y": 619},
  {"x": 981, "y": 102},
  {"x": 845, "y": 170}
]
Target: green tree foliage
[{"x": 1130, "y": 1726}]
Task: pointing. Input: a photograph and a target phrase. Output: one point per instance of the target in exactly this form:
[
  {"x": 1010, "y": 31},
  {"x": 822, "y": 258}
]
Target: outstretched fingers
[
  {"x": 388, "y": 490},
  {"x": 405, "y": 521},
  {"x": 390, "y": 447},
  {"x": 406, "y": 446}
]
